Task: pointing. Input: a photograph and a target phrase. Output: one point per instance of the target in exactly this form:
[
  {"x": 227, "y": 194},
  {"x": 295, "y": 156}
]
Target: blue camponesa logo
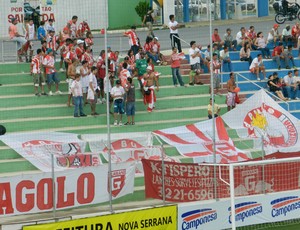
[
  {"x": 284, "y": 205},
  {"x": 245, "y": 210},
  {"x": 194, "y": 219}
]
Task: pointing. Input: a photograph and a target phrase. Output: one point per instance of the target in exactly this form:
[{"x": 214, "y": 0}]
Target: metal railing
[
  {"x": 272, "y": 95},
  {"x": 179, "y": 39}
]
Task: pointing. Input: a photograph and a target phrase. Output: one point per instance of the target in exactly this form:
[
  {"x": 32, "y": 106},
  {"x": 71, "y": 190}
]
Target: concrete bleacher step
[{"x": 235, "y": 55}]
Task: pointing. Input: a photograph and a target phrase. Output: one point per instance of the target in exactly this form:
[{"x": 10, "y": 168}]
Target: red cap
[{"x": 276, "y": 26}]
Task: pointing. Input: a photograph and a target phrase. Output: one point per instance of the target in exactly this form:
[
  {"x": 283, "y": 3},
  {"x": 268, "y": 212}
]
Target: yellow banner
[{"x": 154, "y": 218}]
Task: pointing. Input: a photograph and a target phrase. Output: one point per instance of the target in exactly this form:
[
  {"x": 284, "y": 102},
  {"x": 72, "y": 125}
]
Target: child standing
[{"x": 76, "y": 89}]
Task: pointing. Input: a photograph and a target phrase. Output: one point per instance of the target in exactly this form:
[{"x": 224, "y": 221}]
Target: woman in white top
[
  {"x": 262, "y": 45},
  {"x": 245, "y": 53},
  {"x": 84, "y": 73}
]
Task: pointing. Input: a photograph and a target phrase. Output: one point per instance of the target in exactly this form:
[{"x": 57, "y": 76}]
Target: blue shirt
[{"x": 41, "y": 31}]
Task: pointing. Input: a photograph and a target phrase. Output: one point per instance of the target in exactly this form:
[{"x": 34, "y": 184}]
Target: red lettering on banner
[
  {"x": 6, "y": 206},
  {"x": 18, "y": 17},
  {"x": 46, "y": 17},
  {"x": 86, "y": 183},
  {"x": 29, "y": 198},
  {"x": 16, "y": 9},
  {"x": 45, "y": 195},
  {"x": 46, "y": 8},
  {"x": 61, "y": 202}
]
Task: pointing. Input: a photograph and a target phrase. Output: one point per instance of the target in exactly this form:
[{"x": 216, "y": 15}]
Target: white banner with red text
[
  {"x": 92, "y": 11},
  {"x": 194, "y": 182},
  {"x": 196, "y": 141},
  {"x": 253, "y": 210},
  {"x": 262, "y": 118},
  {"x": 37, "y": 147},
  {"x": 33, "y": 193},
  {"x": 127, "y": 147}
]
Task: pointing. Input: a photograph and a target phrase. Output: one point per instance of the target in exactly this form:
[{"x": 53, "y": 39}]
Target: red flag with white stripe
[{"x": 196, "y": 141}]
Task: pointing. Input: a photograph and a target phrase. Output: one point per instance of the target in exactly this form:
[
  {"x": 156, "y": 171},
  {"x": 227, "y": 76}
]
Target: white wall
[{"x": 169, "y": 8}]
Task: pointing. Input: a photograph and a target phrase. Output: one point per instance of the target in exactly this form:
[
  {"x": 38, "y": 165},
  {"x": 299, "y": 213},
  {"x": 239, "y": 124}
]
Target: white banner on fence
[
  {"x": 126, "y": 147},
  {"x": 33, "y": 193},
  {"x": 248, "y": 211},
  {"x": 261, "y": 117},
  {"x": 196, "y": 141},
  {"x": 61, "y": 11},
  {"x": 68, "y": 150}
]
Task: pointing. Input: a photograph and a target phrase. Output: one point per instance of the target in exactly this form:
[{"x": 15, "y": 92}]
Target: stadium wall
[{"x": 121, "y": 12}]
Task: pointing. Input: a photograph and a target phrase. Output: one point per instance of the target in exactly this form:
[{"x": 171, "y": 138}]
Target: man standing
[
  {"x": 92, "y": 94},
  {"x": 71, "y": 25},
  {"x": 194, "y": 54},
  {"x": 48, "y": 63},
  {"x": 20, "y": 39},
  {"x": 76, "y": 91},
  {"x": 216, "y": 68},
  {"x": 117, "y": 93},
  {"x": 291, "y": 87},
  {"x": 71, "y": 75},
  {"x": 148, "y": 20},
  {"x": 130, "y": 101},
  {"x": 133, "y": 39},
  {"x": 141, "y": 66},
  {"x": 35, "y": 69},
  {"x": 214, "y": 111},
  {"x": 230, "y": 99},
  {"x": 173, "y": 25},
  {"x": 150, "y": 79},
  {"x": 83, "y": 28},
  {"x": 30, "y": 36}
]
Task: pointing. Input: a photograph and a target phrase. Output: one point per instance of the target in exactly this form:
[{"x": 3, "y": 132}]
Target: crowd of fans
[
  {"x": 85, "y": 73},
  {"x": 88, "y": 82}
]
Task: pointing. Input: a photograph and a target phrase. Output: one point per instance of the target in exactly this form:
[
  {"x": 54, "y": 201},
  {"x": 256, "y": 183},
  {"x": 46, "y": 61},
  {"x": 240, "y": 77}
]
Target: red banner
[{"x": 194, "y": 182}]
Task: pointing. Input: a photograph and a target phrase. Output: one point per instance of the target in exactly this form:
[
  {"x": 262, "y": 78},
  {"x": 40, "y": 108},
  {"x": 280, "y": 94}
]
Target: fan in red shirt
[
  {"x": 279, "y": 54},
  {"x": 156, "y": 51},
  {"x": 175, "y": 66},
  {"x": 38, "y": 78},
  {"x": 89, "y": 40},
  {"x": 101, "y": 74},
  {"x": 124, "y": 74},
  {"x": 131, "y": 60},
  {"x": 83, "y": 28},
  {"x": 88, "y": 56},
  {"x": 216, "y": 39},
  {"x": 71, "y": 54},
  {"x": 71, "y": 25},
  {"x": 79, "y": 49},
  {"x": 296, "y": 32},
  {"x": 133, "y": 39}
]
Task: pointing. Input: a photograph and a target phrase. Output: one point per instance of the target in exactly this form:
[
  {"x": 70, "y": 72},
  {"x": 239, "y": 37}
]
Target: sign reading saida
[{"x": 155, "y": 218}]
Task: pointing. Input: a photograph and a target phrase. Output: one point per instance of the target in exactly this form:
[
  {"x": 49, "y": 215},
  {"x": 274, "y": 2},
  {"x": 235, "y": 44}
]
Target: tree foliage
[{"x": 142, "y": 9}]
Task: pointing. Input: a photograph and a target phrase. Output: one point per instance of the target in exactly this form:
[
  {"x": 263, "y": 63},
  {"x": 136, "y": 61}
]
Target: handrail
[
  {"x": 288, "y": 105},
  {"x": 179, "y": 39}
]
